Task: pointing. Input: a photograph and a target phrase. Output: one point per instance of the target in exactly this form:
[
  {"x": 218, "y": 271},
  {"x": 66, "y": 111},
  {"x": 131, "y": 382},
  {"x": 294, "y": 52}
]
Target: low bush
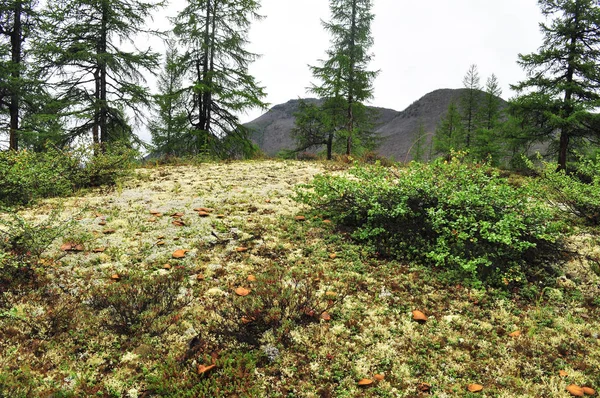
[
  {"x": 139, "y": 303},
  {"x": 27, "y": 176},
  {"x": 23, "y": 242},
  {"x": 280, "y": 298},
  {"x": 460, "y": 216},
  {"x": 576, "y": 193}
]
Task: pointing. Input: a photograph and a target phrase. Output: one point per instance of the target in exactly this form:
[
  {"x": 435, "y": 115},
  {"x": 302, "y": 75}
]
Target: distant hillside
[{"x": 271, "y": 131}]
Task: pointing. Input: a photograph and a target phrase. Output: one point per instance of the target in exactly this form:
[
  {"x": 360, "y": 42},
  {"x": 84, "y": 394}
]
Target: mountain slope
[{"x": 398, "y": 130}]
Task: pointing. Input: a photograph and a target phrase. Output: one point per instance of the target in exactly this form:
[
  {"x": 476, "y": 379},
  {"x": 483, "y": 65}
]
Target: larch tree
[
  {"x": 169, "y": 128},
  {"x": 562, "y": 89},
  {"x": 90, "y": 59},
  {"x": 488, "y": 140},
  {"x": 470, "y": 103},
  {"x": 315, "y": 126},
  {"x": 213, "y": 35},
  {"x": 450, "y": 132},
  {"x": 16, "y": 20},
  {"x": 344, "y": 74}
]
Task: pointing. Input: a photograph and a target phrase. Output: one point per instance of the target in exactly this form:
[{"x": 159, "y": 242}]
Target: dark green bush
[
  {"x": 26, "y": 176},
  {"x": 460, "y": 216},
  {"x": 576, "y": 193}
]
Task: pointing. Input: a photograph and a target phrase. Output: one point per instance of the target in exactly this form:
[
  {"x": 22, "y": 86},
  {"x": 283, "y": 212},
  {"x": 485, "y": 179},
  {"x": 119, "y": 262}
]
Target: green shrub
[
  {"x": 455, "y": 215},
  {"x": 27, "y": 176},
  {"x": 105, "y": 167},
  {"x": 575, "y": 193},
  {"x": 22, "y": 243}
]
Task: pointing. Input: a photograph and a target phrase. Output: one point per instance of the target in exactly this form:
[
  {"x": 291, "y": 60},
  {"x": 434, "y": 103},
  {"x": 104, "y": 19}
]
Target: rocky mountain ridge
[{"x": 398, "y": 130}]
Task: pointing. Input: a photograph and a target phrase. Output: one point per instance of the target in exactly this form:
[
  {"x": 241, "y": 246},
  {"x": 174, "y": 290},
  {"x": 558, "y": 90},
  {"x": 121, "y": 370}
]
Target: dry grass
[{"x": 55, "y": 342}]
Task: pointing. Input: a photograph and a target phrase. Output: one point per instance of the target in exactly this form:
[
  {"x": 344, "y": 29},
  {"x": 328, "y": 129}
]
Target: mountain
[{"x": 398, "y": 130}]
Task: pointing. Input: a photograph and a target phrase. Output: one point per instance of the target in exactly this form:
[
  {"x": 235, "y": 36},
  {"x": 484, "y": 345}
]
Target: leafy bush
[
  {"x": 139, "y": 304},
  {"x": 22, "y": 243},
  {"x": 105, "y": 167},
  {"x": 576, "y": 193},
  {"x": 455, "y": 215},
  {"x": 27, "y": 176}
]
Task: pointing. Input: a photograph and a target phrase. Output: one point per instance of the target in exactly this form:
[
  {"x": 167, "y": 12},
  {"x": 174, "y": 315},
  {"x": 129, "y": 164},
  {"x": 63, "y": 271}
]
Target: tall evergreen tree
[
  {"x": 169, "y": 128},
  {"x": 488, "y": 140},
  {"x": 450, "y": 133},
  {"x": 562, "y": 88},
  {"x": 315, "y": 127},
  {"x": 419, "y": 145},
  {"x": 16, "y": 19},
  {"x": 214, "y": 34},
  {"x": 87, "y": 60},
  {"x": 491, "y": 109},
  {"x": 344, "y": 73},
  {"x": 470, "y": 103}
]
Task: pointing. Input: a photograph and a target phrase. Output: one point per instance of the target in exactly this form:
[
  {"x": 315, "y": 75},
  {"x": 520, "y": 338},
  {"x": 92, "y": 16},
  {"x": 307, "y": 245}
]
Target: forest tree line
[{"x": 70, "y": 72}]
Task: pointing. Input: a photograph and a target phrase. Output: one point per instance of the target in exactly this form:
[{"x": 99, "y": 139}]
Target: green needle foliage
[
  {"x": 563, "y": 85},
  {"x": 343, "y": 75},
  {"x": 169, "y": 128},
  {"x": 90, "y": 59},
  {"x": 450, "y": 133},
  {"x": 213, "y": 34},
  {"x": 470, "y": 104},
  {"x": 17, "y": 20}
]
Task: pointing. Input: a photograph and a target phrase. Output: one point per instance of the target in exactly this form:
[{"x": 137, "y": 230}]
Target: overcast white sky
[{"x": 419, "y": 46}]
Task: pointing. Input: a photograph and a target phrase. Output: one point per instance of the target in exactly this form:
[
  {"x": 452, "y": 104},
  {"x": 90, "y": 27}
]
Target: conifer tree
[
  {"x": 450, "y": 133},
  {"x": 169, "y": 128},
  {"x": 470, "y": 103},
  {"x": 419, "y": 145},
  {"x": 488, "y": 141},
  {"x": 213, "y": 34},
  {"x": 90, "y": 59},
  {"x": 562, "y": 89},
  {"x": 344, "y": 74},
  {"x": 16, "y": 20}
]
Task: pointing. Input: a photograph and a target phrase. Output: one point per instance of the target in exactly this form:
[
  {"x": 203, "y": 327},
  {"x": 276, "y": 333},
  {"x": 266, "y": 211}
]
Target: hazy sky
[{"x": 419, "y": 46}]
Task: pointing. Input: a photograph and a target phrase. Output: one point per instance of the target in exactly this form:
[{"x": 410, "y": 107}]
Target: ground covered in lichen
[{"x": 264, "y": 303}]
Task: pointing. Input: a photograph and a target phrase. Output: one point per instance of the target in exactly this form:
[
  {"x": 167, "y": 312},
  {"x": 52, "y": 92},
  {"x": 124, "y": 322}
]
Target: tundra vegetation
[{"x": 196, "y": 276}]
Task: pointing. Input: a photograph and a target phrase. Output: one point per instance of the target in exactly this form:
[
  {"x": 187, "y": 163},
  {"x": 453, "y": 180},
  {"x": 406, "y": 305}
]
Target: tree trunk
[
  {"x": 102, "y": 52},
  {"x": 563, "y": 150},
  {"x": 16, "y": 39},
  {"x": 352, "y": 49},
  {"x": 95, "y": 136},
  {"x": 329, "y": 145},
  {"x": 565, "y": 135}
]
